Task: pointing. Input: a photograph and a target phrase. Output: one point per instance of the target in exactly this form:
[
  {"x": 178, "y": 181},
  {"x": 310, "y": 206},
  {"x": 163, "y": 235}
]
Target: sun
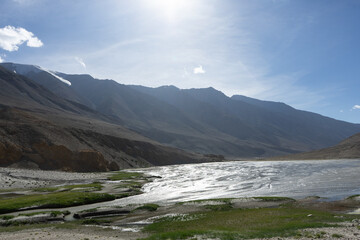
[{"x": 172, "y": 10}]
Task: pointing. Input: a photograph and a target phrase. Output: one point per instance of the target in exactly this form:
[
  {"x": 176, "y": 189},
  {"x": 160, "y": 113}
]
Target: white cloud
[
  {"x": 356, "y": 107},
  {"x": 11, "y": 38},
  {"x": 2, "y": 59},
  {"x": 199, "y": 70},
  {"x": 80, "y": 61}
]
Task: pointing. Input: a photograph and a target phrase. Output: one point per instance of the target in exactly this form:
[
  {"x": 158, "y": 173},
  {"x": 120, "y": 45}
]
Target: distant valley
[
  {"x": 346, "y": 149},
  {"x": 53, "y": 120}
]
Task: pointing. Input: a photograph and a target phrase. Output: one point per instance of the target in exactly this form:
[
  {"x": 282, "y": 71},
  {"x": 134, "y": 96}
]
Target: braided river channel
[{"x": 329, "y": 179}]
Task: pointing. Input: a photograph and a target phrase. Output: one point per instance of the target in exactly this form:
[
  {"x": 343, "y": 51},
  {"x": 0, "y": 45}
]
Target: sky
[{"x": 304, "y": 53}]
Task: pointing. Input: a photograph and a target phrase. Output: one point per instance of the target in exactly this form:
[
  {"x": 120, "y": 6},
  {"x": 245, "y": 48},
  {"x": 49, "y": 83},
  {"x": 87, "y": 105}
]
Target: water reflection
[{"x": 333, "y": 179}]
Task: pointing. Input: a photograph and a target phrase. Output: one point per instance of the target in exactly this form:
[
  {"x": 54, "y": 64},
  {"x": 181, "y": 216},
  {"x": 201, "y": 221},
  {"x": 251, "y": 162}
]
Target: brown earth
[{"x": 51, "y": 141}]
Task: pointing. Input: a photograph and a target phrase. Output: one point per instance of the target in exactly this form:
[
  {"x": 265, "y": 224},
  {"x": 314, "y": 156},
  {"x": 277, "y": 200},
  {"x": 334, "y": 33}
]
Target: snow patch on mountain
[
  {"x": 56, "y": 76},
  {"x": 60, "y": 78}
]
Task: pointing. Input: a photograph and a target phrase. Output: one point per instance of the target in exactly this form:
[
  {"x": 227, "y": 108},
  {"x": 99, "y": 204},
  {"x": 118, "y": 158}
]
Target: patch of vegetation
[
  {"x": 66, "y": 212},
  {"x": 14, "y": 223},
  {"x": 121, "y": 175},
  {"x": 90, "y": 210},
  {"x": 6, "y": 217},
  {"x": 244, "y": 223},
  {"x": 22, "y": 227},
  {"x": 10, "y": 190},
  {"x": 149, "y": 207},
  {"x": 177, "y": 235},
  {"x": 354, "y": 196},
  {"x": 93, "y": 221},
  {"x": 130, "y": 184},
  {"x": 320, "y": 234},
  {"x": 275, "y": 199},
  {"x": 222, "y": 207},
  {"x": 47, "y": 189},
  {"x": 308, "y": 234},
  {"x": 335, "y": 235},
  {"x": 52, "y": 200},
  {"x": 91, "y": 186},
  {"x": 123, "y": 195}
]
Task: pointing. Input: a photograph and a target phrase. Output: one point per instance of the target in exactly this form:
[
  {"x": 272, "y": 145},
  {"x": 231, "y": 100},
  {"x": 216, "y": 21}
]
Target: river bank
[{"x": 175, "y": 214}]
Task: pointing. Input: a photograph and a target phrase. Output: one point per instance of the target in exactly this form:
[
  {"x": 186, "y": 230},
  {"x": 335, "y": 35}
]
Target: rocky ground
[
  {"x": 86, "y": 233},
  {"x": 27, "y": 178}
]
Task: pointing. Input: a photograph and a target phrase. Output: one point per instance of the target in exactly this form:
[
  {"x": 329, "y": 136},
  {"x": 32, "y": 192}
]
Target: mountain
[
  {"x": 203, "y": 121},
  {"x": 272, "y": 127},
  {"x": 346, "y": 149},
  {"x": 48, "y": 80},
  {"x": 43, "y": 130}
]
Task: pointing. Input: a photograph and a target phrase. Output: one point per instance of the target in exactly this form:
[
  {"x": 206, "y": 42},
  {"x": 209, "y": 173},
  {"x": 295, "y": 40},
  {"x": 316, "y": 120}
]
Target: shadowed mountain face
[
  {"x": 349, "y": 148},
  {"x": 274, "y": 127},
  {"x": 197, "y": 120},
  {"x": 40, "y": 129}
]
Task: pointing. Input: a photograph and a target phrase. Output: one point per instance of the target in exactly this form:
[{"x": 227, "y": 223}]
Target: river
[{"x": 330, "y": 179}]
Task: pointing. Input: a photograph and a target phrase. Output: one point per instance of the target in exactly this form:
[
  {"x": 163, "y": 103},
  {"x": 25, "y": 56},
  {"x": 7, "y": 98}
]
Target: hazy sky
[{"x": 305, "y": 53}]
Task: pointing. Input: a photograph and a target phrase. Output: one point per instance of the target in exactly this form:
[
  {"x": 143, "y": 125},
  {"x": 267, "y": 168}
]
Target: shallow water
[{"x": 332, "y": 179}]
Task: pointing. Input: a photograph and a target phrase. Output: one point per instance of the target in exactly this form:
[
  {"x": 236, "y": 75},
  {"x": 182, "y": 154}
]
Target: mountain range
[{"x": 133, "y": 126}]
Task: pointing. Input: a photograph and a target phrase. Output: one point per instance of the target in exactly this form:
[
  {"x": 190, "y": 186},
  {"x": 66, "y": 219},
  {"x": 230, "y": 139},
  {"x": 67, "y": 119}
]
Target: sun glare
[{"x": 172, "y": 10}]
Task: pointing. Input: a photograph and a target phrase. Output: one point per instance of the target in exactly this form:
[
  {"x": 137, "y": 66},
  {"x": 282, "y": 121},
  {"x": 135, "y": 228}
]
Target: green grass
[
  {"x": 130, "y": 184},
  {"x": 274, "y": 199},
  {"x": 20, "y": 227},
  {"x": 353, "y": 196},
  {"x": 10, "y": 190},
  {"x": 125, "y": 176},
  {"x": 149, "y": 207},
  {"x": 222, "y": 207},
  {"x": 123, "y": 195},
  {"x": 73, "y": 225},
  {"x": 90, "y": 186},
  {"x": 52, "y": 200},
  {"x": 243, "y": 223},
  {"x": 90, "y": 210},
  {"x": 335, "y": 235},
  {"x": 92, "y": 221},
  {"x": 6, "y": 217}
]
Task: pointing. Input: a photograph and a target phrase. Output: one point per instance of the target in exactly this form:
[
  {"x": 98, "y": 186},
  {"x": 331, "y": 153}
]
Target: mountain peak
[
  {"x": 25, "y": 69},
  {"x": 22, "y": 69},
  {"x": 169, "y": 87},
  {"x": 209, "y": 93}
]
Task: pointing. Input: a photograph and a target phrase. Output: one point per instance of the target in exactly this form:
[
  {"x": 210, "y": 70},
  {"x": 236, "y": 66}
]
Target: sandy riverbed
[{"x": 26, "y": 178}]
